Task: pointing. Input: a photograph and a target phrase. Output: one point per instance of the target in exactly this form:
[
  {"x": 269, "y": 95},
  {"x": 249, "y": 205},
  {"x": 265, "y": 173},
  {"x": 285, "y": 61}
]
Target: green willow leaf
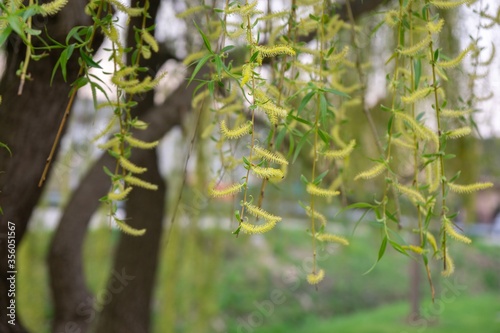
[{"x": 381, "y": 252}]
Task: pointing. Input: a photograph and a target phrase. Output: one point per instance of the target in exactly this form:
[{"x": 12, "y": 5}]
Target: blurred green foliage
[{"x": 248, "y": 272}]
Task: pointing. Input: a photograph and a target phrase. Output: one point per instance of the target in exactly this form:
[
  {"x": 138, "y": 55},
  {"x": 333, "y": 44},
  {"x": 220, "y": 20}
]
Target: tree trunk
[
  {"x": 28, "y": 125},
  {"x": 74, "y": 304},
  {"x": 70, "y": 294},
  {"x": 72, "y": 300},
  {"x": 127, "y": 301}
]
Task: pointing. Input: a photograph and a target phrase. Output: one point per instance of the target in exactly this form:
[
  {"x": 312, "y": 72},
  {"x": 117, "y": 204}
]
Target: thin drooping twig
[{"x": 68, "y": 108}]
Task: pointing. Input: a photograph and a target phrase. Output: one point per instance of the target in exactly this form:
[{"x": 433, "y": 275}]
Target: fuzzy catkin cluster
[
  {"x": 127, "y": 83},
  {"x": 300, "y": 109}
]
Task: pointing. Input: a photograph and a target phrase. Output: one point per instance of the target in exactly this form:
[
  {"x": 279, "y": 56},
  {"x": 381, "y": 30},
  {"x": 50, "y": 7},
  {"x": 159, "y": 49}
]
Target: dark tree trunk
[
  {"x": 136, "y": 259},
  {"x": 28, "y": 125},
  {"x": 74, "y": 304},
  {"x": 70, "y": 294},
  {"x": 127, "y": 309},
  {"x": 72, "y": 300}
]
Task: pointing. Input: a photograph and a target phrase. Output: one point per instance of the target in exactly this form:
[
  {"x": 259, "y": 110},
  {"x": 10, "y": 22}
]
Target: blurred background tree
[{"x": 186, "y": 274}]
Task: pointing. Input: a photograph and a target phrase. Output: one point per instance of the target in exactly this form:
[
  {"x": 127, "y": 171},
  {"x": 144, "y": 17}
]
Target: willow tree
[{"x": 268, "y": 87}]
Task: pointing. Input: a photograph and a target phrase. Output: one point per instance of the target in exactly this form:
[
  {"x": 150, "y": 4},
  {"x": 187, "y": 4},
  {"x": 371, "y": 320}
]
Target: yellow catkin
[
  {"x": 53, "y": 7},
  {"x": 273, "y": 91},
  {"x": 200, "y": 98},
  {"x": 119, "y": 77},
  {"x": 450, "y": 266},
  {"x": 284, "y": 169},
  {"x": 109, "y": 144},
  {"x": 140, "y": 144},
  {"x": 91, "y": 7},
  {"x": 124, "y": 83},
  {"x": 270, "y": 156},
  {"x": 336, "y": 183},
  {"x": 139, "y": 124},
  {"x": 450, "y": 4},
  {"x": 143, "y": 86},
  {"x": 372, "y": 172},
  {"x": 106, "y": 129},
  {"x": 119, "y": 196},
  {"x": 225, "y": 100},
  {"x": 193, "y": 57},
  {"x": 268, "y": 106},
  {"x": 459, "y": 132},
  {"x": 317, "y": 215},
  {"x": 469, "y": 188},
  {"x": 129, "y": 166},
  {"x": 191, "y": 11},
  {"x": 245, "y": 10},
  {"x": 303, "y": 49},
  {"x": 272, "y": 51},
  {"x": 435, "y": 27},
  {"x": 420, "y": 130},
  {"x": 235, "y": 34},
  {"x": 341, "y": 153},
  {"x": 416, "y": 95},
  {"x": 132, "y": 12},
  {"x": 456, "y": 61},
  {"x": 150, "y": 40},
  {"x": 261, "y": 213},
  {"x": 141, "y": 183},
  {"x": 337, "y": 57},
  {"x": 450, "y": 230},
  {"x": 449, "y": 113},
  {"x": 413, "y": 50},
  {"x": 231, "y": 108},
  {"x": 225, "y": 192},
  {"x": 392, "y": 18},
  {"x": 441, "y": 73},
  {"x": 402, "y": 143},
  {"x": 275, "y": 15},
  {"x": 147, "y": 84},
  {"x": 128, "y": 229},
  {"x": 236, "y": 133},
  {"x": 335, "y": 132},
  {"x": 433, "y": 174},
  {"x": 414, "y": 248},
  {"x": 411, "y": 193},
  {"x": 352, "y": 103},
  {"x": 315, "y": 278},
  {"x": 257, "y": 228},
  {"x": 403, "y": 72},
  {"x": 320, "y": 192},
  {"x": 432, "y": 241},
  {"x": 267, "y": 173},
  {"x": 246, "y": 74},
  {"x": 332, "y": 238}
]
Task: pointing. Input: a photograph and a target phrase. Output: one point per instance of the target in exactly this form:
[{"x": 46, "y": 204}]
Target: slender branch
[{"x": 68, "y": 106}]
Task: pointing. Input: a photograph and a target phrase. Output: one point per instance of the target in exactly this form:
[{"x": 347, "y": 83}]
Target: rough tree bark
[{"x": 28, "y": 125}]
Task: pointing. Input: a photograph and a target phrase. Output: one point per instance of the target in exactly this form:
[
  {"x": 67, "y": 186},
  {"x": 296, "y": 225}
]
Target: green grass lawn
[
  {"x": 238, "y": 273},
  {"x": 465, "y": 314}
]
